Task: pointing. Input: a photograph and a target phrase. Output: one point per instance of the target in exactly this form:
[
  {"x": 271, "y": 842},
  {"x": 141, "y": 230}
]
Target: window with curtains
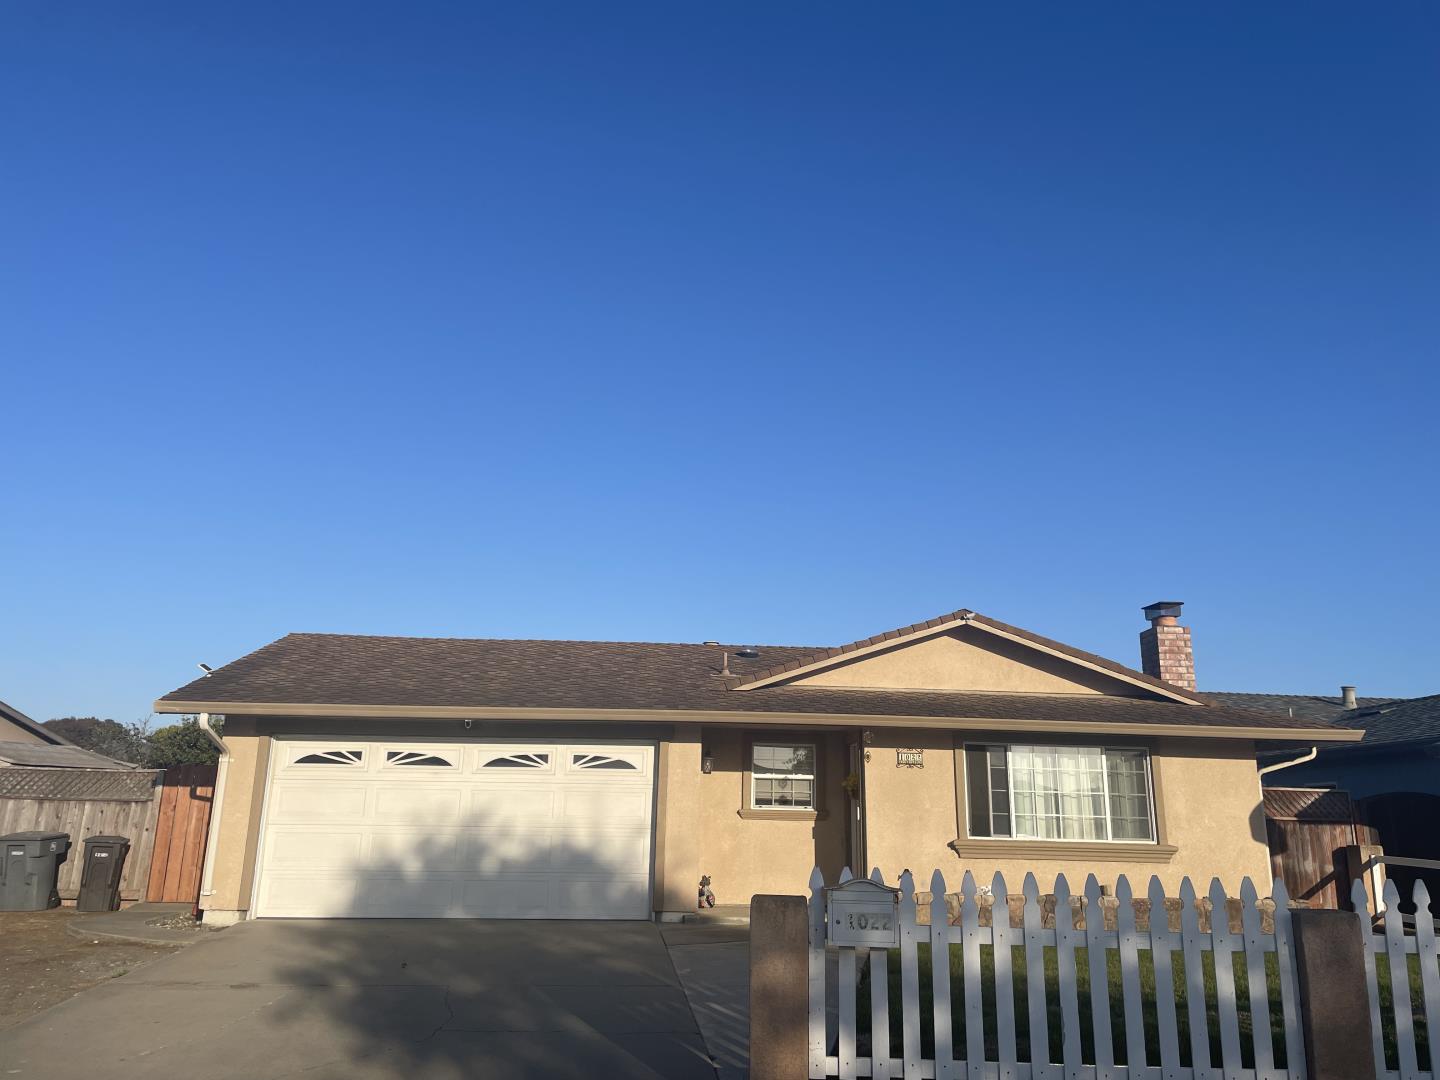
[
  {"x": 1059, "y": 793},
  {"x": 782, "y": 776}
]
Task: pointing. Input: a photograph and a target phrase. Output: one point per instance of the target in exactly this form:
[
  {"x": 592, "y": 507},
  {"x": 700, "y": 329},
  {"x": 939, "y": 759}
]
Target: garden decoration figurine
[{"x": 707, "y": 896}]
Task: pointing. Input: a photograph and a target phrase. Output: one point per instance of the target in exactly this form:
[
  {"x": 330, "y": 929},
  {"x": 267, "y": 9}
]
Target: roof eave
[{"x": 754, "y": 719}]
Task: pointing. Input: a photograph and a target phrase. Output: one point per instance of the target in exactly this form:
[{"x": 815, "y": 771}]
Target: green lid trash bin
[
  {"x": 29, "y": 866},
  {"x": 100, "y": 873}
]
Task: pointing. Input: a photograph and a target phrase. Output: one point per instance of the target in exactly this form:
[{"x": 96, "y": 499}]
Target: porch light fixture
[{"x": 707, "y": 764}]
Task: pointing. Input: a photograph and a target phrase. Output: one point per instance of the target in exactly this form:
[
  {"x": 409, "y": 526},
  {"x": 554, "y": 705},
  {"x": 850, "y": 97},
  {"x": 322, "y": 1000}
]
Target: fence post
[
  {"x": 779, "y": 988},
  {"x": 1334, "y": 997},
  {"x": 1356, "y": 856}
]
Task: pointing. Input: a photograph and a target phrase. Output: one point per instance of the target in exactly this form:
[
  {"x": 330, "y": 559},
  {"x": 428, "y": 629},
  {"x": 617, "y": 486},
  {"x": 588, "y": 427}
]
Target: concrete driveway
[{"x": 363, "y": 999}]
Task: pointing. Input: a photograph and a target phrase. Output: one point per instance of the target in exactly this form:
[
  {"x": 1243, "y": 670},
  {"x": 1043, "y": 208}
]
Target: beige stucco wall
[
  {"x": 677, "y": 812},
  {"x": 232, "y": 871},
  {"x": 11, "y": 732},
  {"x": 1207, "y": 792},
  {"x": 747, "y": 855},
  {"x": 966, "y": 658},
  {"x": 969, "y": 659}
]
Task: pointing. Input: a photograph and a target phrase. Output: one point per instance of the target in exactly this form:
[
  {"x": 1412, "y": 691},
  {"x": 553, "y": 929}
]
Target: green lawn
[{"x": 1117, "y": 1013}]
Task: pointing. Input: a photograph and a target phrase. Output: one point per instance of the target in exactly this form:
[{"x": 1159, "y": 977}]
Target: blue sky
[{"x": 765, "y": 323}]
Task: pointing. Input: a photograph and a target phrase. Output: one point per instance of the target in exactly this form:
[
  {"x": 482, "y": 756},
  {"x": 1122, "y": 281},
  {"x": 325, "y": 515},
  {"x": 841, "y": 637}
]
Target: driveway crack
[{"x": 449, "y": 1016}]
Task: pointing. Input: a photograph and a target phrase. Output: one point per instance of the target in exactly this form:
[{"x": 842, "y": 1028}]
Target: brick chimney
[{"x": 1165, "y": 651}]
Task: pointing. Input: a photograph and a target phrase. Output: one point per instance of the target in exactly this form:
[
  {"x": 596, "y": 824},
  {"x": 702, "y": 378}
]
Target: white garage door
[{"x": 392, "y": 829}]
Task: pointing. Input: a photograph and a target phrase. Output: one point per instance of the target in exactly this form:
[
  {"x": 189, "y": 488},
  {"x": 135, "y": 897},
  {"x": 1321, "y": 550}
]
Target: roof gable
[
  {"x": 964, "y": 651},
  {"x": 18, "y": 722}
]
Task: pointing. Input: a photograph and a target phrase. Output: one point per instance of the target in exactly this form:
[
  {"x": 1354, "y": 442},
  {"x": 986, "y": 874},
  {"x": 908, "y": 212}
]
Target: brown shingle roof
[
  {"x": 358, "y": 671},
  {"x": 1303, "y": 707}
]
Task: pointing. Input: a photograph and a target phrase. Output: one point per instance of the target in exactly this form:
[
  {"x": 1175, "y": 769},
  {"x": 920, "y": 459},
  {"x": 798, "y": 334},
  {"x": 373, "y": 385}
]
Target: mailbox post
[{"x": 863, "y": 914}]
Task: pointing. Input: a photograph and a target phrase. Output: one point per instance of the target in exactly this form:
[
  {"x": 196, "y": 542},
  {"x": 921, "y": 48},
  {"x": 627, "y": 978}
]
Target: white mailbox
[{"x": 863, "y": 913}]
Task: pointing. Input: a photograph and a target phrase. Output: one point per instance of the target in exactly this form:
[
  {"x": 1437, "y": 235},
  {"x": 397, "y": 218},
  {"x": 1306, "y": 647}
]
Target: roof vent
[
  {"x": 1347, "y": 697},
  {"x": 709, "y": 643},
  {"x": 749, "y": 652}
]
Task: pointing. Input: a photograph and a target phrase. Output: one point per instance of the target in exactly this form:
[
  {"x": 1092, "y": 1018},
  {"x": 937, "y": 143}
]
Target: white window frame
[
  {"x": 1143, "y": 751},
  {"x": 756, "y": 774}
]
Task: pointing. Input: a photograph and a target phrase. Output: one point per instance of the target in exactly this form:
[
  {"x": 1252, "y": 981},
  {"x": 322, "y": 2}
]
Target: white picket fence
[
  {"x": 836, "y": 1052},
  {"x": 1389, "y": 939}
]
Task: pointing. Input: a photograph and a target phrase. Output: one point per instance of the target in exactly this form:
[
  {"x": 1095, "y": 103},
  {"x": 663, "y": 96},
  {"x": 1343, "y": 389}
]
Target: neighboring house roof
[
  {"x": 1300, "y": 706},
  {"x": 1385, "y": 721},
  {"x": 1414, "y": 720},
  {"x": 345, "y": 674},
  {"x": 39, "y": 755},
  {"x": 19, "y": 719}
]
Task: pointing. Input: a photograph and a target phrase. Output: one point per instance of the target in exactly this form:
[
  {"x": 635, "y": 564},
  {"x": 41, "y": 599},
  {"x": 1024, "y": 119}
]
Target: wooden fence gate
[{"x": 181, "y": 828}]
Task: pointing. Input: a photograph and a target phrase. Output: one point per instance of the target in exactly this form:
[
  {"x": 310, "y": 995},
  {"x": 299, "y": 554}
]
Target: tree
[
  {"x": 183, "y": 743},
  {"x": 123, "y": 742}
]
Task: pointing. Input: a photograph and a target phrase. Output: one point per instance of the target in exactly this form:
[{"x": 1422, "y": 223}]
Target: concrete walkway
[
  {"x": 713, "y": 963},
  {"x": 137, "y": 923},
  {"x": 364, "y": 1000}
]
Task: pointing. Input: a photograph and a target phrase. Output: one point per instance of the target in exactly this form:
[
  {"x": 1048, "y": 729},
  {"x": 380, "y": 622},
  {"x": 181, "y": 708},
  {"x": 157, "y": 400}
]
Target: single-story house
[
  {"x": 429, "y": 777},
  {"x": 24, "y": 743}
]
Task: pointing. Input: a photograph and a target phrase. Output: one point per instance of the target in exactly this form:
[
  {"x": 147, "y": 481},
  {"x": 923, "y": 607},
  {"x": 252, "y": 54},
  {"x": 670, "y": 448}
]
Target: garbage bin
[
  {"x": 29, "y": 865},
  {"x": 100, "y": 875}
]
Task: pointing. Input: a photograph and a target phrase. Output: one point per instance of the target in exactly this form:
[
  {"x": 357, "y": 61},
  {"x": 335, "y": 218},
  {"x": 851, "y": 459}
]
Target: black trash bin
[
  {"x": 29, "y": 866},
  {"x": 100, "y": 876}
]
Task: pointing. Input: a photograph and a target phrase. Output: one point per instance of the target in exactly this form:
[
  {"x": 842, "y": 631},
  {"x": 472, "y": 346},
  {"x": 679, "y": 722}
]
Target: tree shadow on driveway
[{"x": 481, "y": 998}]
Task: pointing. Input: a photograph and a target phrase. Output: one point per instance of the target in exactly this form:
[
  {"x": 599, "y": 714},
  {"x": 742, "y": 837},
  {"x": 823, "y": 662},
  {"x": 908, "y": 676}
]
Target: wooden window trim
[
  {"x": 1132, "y": 850},
  {"x": 813, "y": 738}
]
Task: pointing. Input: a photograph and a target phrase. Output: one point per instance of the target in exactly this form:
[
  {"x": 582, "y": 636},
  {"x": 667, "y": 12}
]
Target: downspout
[
  {"x": 1309, "y": 755},
  {"x": 217, "y": 800}
]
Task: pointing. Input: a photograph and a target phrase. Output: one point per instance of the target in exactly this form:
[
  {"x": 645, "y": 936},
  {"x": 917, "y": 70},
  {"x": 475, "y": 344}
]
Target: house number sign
[
  {"x": 909, "y": 759},
  {"x": 863, "y": 913}
]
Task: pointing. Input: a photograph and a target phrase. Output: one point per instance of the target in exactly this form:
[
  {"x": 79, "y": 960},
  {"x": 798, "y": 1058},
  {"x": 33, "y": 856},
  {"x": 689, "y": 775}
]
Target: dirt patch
[{"x": 42, "y": 963}]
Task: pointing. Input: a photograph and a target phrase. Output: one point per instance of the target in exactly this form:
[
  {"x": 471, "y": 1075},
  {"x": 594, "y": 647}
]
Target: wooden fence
[
  {"x": 181, "y": 829},
  {"x": 1410, "y": 1019},
  {"x": 1044, "y": 951},
  {"x": 1309, "y": 830},
  {"x": 164, "y": 814}
]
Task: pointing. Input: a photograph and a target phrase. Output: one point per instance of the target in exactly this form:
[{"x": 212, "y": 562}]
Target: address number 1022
[{"x": 869, "y": 920}]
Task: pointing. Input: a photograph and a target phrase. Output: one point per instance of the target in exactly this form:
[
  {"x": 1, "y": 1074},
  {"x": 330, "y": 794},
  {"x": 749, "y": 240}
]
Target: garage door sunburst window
[
  {"x": 600, "y": 761},
  {"x": 417, "y": 757},
  {"x": 519, "y": 761},
  {"x": 332, "y": 757}
]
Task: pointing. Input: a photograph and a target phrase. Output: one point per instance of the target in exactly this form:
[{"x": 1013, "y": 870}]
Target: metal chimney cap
[{"x": 1163, "y": 609}]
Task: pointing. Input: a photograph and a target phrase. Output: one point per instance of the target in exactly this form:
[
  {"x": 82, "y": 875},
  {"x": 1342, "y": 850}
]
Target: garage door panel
[
  {"x": 427, "y": 897},
  {"x": 610, "y": 806},
  {"x": 418, "y": 804},
  {"x": 499, "y": 851},
  {"x": 318, "y": 802},
  {"x": 583, "y": 898},
  {"x": 325, "y": 848},
  {"x": 492, "y": 805},
  {"x": 403, "y": 849},
  {"x": 307, "y": 895},
  {"x": 438, "y": 830},
  {"x": 511, "y": 897}
]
